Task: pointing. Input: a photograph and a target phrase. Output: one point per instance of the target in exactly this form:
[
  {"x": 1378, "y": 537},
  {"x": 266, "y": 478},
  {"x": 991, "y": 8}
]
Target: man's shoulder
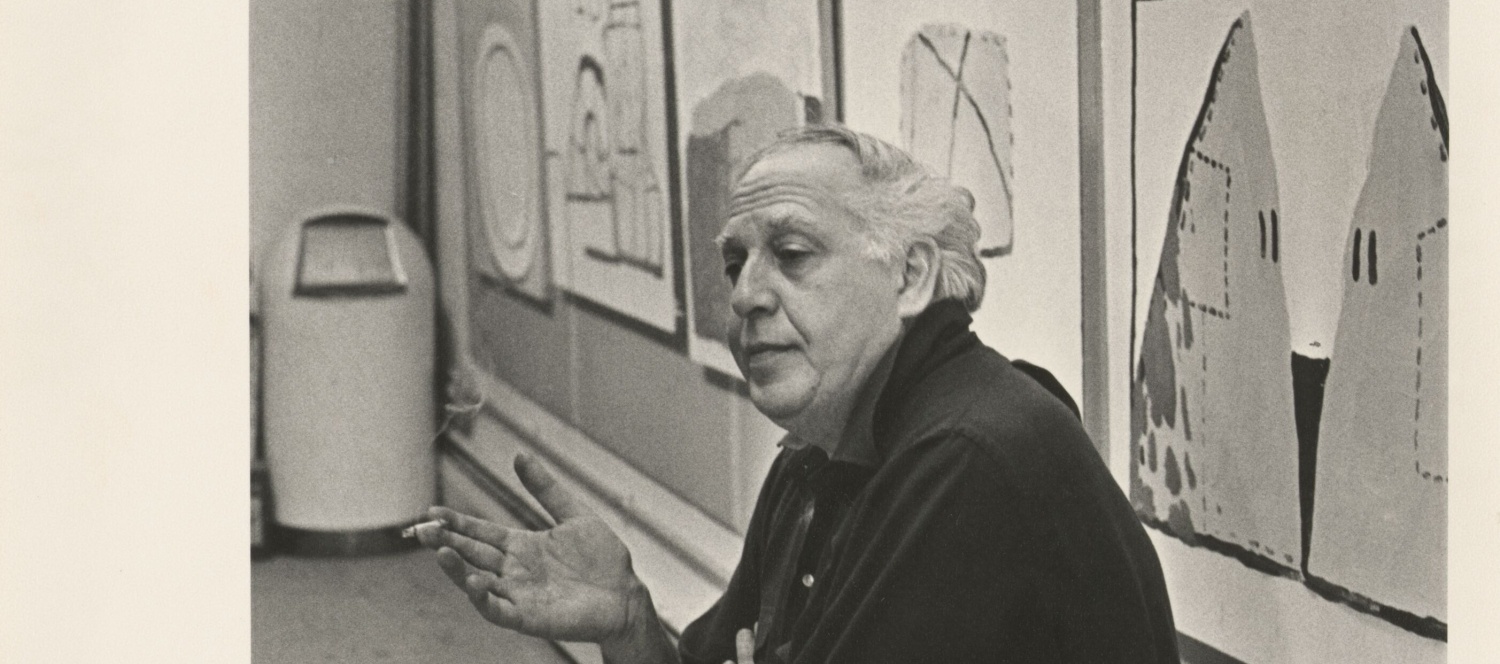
[{"x": 980, "y": 398}]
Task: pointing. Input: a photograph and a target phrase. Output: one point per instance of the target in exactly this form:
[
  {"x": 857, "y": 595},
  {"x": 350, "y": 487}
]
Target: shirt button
[{"x": 807, "y": 580}]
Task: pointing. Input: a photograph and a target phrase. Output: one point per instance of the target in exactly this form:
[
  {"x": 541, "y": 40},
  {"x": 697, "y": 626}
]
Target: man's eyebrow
[
  {"x": 788, "y": 223},
  {"x": 783, "y": 223}
]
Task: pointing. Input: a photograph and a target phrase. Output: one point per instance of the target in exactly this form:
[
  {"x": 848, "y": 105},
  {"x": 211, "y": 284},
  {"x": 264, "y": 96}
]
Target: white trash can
[{"x": 348, "y": 323}]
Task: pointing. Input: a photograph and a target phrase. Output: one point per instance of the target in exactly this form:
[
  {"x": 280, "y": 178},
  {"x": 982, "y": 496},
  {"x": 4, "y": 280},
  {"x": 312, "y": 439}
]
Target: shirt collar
[{"x": 938, "y": 334}]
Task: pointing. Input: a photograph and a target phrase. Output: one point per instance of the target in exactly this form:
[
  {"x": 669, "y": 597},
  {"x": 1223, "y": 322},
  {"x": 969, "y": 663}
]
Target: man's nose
[{"x": 753, "y": 293}]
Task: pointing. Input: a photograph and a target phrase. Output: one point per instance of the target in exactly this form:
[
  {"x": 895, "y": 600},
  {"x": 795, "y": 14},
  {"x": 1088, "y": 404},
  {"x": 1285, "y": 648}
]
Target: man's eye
[
  {"x": 732, "y": 270},
  {"x": 792, "y": 253}
]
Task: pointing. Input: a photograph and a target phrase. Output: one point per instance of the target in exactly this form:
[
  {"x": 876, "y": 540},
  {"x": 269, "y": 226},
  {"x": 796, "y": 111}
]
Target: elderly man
[{"x": 934, "y": 502}]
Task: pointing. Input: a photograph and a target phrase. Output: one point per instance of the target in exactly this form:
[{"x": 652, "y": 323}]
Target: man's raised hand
[{"x": 572, "y": 582}]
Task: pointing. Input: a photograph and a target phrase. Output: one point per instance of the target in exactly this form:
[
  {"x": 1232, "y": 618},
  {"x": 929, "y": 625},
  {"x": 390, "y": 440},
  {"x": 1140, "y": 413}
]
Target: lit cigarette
[{"x": 412, "y": 531}]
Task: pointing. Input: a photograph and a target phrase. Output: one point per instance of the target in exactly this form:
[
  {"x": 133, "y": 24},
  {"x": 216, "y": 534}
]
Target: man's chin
[{"x": 778, "y": 402}]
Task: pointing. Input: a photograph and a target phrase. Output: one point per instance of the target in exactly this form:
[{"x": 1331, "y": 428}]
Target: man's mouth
[{"x": 761, "y": 348}]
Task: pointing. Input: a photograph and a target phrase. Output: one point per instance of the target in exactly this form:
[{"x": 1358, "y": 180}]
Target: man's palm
[
  {"x": 572, "y": 582},
  {"x": 569, "y": 583}
]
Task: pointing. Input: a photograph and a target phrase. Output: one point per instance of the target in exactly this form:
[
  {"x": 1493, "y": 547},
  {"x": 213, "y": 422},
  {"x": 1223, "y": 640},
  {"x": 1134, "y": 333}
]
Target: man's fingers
[
  {"x": 429, "y": 534},
  {"x": 492, "y": 534},
  {"x": 744, "y": 647},
  {"x": 559, "y": 502},
  {"x": 453, "y": 567},
  {"x": 494, "y": 607},
  {"x": 475, "y": 552},
  {"x": 480, "y": 587}
]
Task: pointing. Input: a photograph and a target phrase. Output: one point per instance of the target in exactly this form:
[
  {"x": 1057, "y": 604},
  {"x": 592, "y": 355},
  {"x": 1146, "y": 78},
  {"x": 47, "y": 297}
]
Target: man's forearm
[{"x": 644, "y": 639}]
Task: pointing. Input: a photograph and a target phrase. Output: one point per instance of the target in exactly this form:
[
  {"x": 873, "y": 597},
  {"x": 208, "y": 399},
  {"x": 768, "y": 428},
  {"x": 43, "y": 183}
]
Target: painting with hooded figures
[{"x": 1288, "y": 393}]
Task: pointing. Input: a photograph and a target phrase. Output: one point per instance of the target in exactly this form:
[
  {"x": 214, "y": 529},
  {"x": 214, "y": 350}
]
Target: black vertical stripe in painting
[
  {"x": 1309, "y": 376},
  {"x": 1275, "y": 237},
  {"x": 1262, "y": 234},
  {"x": 1354, "y": 255}
]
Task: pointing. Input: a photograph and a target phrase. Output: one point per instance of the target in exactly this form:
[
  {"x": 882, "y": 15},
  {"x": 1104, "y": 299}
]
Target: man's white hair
[{"x": 903, "y": 202}]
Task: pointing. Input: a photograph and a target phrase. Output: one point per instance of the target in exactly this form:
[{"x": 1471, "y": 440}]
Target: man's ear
[{"x": 918, "y": 278}]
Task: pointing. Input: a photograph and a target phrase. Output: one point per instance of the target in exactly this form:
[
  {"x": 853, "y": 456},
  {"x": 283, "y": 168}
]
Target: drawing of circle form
[{"x": 506, "y": 152}]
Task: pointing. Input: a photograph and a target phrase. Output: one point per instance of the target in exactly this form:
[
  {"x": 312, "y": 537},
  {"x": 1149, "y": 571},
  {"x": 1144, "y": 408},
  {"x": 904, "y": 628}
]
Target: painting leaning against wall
[
  {"x": 607, "y": 153},
  {"x": 1284, "y": 414},
  {"x": 986, "y": 95},
  {"x": 746, "y": 71},
  {"x": 499, "y": 95},
  {"x": 955, "y": 117}
]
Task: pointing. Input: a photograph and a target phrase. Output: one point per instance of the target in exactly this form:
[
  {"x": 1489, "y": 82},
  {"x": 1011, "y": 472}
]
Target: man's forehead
[
  {"x": 810, "y": 176},
  {"x": 830, "y": 166}
]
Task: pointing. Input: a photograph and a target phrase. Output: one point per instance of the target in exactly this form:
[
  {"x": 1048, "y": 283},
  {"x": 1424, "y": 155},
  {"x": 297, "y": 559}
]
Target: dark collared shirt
[{"x": 981, "y": 525}]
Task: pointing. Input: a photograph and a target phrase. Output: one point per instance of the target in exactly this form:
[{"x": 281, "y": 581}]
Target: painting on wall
[
  {"x": 986, "y": 95},
  {"x": 509, "y": 241},
  {"x": 1216, "y": 336},
  {"x": 1382, "y": 473},
  {"x": 1288, "y": 349},
  {"x": 955, "y": 117},
  {"x": 746, "y": 71},
  {"x": 607, "y": 153}
]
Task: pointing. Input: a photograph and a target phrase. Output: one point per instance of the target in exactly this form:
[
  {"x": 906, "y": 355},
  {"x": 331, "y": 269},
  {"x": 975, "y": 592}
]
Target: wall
[{"x": 327, "y": 110}]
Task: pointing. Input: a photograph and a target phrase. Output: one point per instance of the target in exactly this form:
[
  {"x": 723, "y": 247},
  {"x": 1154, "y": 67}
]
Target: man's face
[{"x": 815, "y": 313}]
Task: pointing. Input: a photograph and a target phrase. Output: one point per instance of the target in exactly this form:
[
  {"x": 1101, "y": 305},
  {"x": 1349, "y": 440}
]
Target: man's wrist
[{"x": 641, "y": 639}]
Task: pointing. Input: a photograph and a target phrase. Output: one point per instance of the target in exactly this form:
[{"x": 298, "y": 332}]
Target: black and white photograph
[{"x": 750, "y": 331}]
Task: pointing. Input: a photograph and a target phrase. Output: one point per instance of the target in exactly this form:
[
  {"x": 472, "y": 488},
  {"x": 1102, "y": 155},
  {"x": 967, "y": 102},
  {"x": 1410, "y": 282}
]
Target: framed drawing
[
  {"x": 745, "y": 72},
  {"x": 607, "y": 149},
  {"x": 503, "y": 149},
  {"x": 987, "y": 95}
]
